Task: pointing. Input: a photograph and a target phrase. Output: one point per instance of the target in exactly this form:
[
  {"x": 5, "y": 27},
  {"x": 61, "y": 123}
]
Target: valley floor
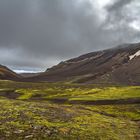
[{"x": 43, "y": 111}]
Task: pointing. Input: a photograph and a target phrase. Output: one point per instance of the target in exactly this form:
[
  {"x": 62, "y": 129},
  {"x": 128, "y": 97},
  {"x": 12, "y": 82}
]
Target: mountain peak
[{"x": 118, "y": 65}]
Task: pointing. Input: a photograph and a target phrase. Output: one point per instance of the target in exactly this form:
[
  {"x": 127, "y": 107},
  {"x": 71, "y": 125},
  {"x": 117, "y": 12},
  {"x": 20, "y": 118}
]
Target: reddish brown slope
[
  {"x": 107, "y": 66},
  {"x": 7, "y": 74}
]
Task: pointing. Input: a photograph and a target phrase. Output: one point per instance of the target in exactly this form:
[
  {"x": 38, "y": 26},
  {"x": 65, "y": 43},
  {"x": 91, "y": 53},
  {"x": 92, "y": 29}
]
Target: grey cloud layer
[{"x": 40, "y": 33}]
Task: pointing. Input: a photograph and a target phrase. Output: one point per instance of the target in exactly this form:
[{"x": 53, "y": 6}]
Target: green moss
[
  {"x": 28, "y": 119},
  {"x": 110, "y": 93}
]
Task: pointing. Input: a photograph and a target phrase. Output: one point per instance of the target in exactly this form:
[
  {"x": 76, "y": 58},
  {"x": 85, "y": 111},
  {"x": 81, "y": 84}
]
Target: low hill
[{"x": 7, "y": 74}]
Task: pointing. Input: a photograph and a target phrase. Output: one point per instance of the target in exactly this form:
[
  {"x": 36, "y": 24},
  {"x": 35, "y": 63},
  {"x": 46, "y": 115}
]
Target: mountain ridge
[
  {"x": 7, "y": 74},
  {"x": 118, "y": 65},
  {"x": 98, "y": 66}
]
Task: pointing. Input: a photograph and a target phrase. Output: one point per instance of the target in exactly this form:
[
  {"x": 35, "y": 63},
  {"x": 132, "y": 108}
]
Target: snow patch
[{"x": 134, "y": 55}]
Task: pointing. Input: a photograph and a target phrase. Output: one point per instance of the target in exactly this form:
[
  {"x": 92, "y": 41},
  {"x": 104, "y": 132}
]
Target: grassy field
[{"x": 60, "y": 111}]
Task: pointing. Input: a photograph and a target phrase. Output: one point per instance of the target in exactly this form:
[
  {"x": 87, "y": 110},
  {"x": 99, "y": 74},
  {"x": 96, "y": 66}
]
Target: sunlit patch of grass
[
  {"x": 56, "y": 91},
  {"x": 111, "y": 93},
  {"x": 25, "y": 94},
  {"x": 84, "y": 94}
]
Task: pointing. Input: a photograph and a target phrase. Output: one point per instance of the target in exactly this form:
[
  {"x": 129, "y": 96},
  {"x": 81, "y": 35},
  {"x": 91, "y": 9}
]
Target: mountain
[
  {"x": 7, "y": 74},
  {"x": 30, "y": 74},
  {"x": 119, "y": 65}
]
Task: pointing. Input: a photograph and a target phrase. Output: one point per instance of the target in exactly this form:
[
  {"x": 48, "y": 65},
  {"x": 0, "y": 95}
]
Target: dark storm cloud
[
  {"x": 123, "y": 14},
  {"x": 118, "y": 5},
  {"x": 118, "y": 12},
  {"x": 41, "y": 33}
]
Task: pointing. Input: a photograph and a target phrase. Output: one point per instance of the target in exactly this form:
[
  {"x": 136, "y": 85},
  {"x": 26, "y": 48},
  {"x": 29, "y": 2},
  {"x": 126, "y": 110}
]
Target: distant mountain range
[
  {"x": 27, "y": 75},
  {"x": 119, "y": 65}
]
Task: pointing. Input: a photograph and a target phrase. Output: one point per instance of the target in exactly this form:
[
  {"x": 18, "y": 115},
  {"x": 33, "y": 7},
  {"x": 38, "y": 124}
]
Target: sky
[{"x": 37, "y": 34}]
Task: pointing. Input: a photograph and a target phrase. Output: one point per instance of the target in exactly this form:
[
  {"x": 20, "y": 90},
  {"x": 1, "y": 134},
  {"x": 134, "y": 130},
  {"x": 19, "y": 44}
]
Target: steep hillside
[
  {"x": 7, "y": 74},
  {"x": 120, "y": 65}
]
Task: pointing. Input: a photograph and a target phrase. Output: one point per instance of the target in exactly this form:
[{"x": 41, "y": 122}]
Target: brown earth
[
  {"x": 7, "y": 74},
  {"x": 112, "y": 66}
]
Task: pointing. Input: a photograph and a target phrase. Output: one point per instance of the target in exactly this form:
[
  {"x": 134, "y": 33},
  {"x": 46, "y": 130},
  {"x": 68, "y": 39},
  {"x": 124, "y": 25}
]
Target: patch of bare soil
[
  {"x": 108, "y": 102},
  {"x": 10, "y": 94}
]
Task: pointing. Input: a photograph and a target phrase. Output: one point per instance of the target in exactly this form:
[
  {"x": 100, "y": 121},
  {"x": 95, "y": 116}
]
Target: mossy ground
[{"x": 32, "y": 116}]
